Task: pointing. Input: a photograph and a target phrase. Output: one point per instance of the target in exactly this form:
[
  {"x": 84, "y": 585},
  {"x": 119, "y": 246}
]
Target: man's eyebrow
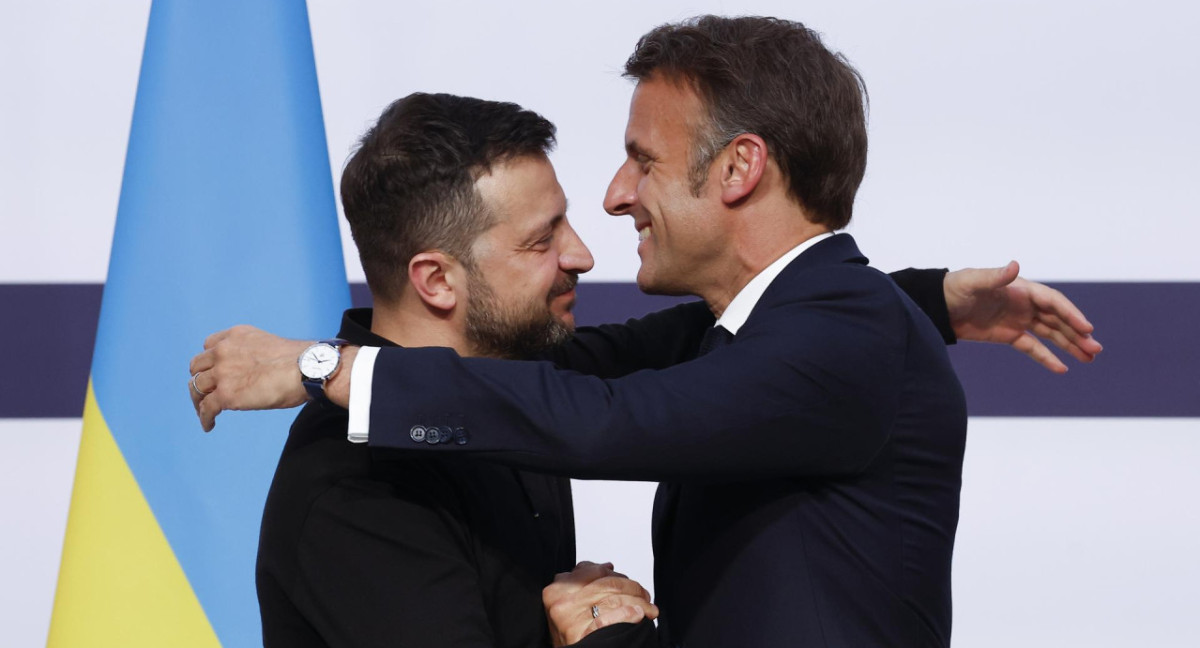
[
  {"x": 545, "y": 228},
  {"x": 634, "y": 149}
]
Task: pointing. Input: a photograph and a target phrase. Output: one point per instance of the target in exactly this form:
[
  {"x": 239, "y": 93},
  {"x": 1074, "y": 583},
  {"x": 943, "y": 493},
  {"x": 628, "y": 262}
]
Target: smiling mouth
[{"x": 643, "y": 233}]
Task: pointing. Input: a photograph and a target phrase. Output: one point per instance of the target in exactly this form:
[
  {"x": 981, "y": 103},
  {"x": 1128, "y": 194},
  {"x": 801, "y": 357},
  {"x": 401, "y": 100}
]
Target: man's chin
[{"x": 654, "y": 286}]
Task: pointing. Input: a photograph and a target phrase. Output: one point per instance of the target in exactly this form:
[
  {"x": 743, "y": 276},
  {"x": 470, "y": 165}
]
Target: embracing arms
[{"x": 245, "y": 368}]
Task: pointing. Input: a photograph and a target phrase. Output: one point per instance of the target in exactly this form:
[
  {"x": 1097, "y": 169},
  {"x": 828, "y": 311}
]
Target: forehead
[
  {"x": 522, "y": 192},
  {"x": 662, "y": 114}
]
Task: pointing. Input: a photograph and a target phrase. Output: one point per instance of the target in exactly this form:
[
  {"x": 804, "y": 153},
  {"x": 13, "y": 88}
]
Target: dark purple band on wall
[{"x": 1148, "y": 368}]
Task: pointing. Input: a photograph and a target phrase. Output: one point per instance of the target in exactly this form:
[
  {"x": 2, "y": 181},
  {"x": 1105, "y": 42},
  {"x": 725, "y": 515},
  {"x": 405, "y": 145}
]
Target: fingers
[
  {"x": 202, "y": 361},
  {"x": 1082, "y": 347},
  {"x": 211, "y": 341},
  {"x": 1001, "y": 277},
  {"x": 205, "y": 382},
  {"x": 196, "y": 398},
  {"x": 1049, "y": 300},
  {"x": 1062, "y": 337},
  {"x": 208, "y": 409},
  {"x": 201, "y": 386},
  {"x": 613, "y": 607},
  {"x": 593, "y": 582},
  {"x": 573, "y": 635},
  {"x": 570, "y": 596},
  {"x": 1060, "y": 321},
  {"x": 585, "y": 572},
  {"x": 1029, "y": 345},
  {"x": 618, "y": 584},
  {"x": 245, "y": 368},
  {"x": 968, "y": 282},
  {"x": 623, "y": 614},
  {"x": 569, "y": 601},
  {"x": 589, "y": 569},
  {"x": 612, "y": 610}
]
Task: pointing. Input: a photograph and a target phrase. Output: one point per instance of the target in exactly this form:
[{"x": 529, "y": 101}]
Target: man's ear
[
  {"x": 432, "y": 275},
  {"x": 743, "y": 163}
]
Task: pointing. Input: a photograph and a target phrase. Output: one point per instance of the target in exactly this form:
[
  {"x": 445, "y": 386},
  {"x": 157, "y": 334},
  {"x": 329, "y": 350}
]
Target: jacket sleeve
[
  {"x": 672, "y": 335},
  {"x": 924, "y": 287},
  {"x": 655, "y": 341},
  {"x": 621, "y": 635},
  {"x": 809, "y": 386}
]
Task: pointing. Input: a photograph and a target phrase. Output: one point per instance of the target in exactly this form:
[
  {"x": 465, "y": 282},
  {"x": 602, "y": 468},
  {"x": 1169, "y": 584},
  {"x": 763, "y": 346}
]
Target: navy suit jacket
[{"x": 813, "y": 466}]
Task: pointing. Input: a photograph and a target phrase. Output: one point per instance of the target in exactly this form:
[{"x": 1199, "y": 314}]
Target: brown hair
[
  {"x": 776, "y": 79},
  {"x": 410, "y": 185}
]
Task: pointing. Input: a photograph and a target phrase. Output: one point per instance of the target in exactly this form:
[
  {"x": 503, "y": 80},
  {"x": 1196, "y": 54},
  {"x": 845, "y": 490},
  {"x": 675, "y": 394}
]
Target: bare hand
[
  {"x": 996, "y": 305},
  {"x": 569, "y": 600},
  {"x": 245, "y": 368}
]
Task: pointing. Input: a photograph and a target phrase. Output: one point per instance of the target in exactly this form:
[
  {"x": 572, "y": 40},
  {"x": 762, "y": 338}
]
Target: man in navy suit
[
  {"x": 812, "y": 459},
  {"x": 811, "y": 456}
]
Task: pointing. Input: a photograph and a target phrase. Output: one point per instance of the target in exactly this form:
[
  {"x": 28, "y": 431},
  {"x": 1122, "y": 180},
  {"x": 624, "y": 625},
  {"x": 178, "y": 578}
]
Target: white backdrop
[{"x": 1062, "y": 134}]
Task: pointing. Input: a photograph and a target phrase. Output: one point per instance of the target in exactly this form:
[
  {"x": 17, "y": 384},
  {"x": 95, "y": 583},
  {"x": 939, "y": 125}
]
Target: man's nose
[
  {"x": 575, "y": 257},
  {"x": 622, "y": 191}
]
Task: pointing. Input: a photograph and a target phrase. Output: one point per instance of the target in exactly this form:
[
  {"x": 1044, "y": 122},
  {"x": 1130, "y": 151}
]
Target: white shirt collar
[{"x": 738, "y": 311}]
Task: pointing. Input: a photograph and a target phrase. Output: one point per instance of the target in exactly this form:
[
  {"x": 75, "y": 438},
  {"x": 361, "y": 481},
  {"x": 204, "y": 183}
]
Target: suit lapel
[
  {"x": 666, "y": 498},
  {"x": 839, "y": 248}
]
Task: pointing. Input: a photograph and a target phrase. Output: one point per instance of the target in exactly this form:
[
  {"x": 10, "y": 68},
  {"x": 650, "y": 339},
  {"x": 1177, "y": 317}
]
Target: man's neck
[
  {"x": 413, "y": 325},
  {"x": 753, "y": 253}
]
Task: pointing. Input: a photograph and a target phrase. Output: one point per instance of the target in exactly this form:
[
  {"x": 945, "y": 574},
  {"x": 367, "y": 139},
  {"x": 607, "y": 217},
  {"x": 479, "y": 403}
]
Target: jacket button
[
  {"x": 432, "y": 435},
  {"x": 460, "y": 436},
  {"x": 417, "y": 433},
  {"x": 447, "y": 434}
]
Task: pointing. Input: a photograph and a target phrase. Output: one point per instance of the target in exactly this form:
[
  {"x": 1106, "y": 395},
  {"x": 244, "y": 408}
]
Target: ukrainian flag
[{"x": 226, "y": 216}]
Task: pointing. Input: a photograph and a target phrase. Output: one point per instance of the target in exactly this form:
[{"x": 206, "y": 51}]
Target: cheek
[{"x": 543, "y": 275}]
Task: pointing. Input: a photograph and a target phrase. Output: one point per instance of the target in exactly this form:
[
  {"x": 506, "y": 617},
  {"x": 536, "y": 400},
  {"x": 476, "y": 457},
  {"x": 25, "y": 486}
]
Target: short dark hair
[
  {"x": 410, "y": 185},
  {"x": 776, "y": 79}
]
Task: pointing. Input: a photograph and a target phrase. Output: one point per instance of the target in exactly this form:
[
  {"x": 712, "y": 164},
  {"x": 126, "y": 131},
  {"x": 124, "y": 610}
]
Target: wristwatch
[{"x": 318, "y": 363}]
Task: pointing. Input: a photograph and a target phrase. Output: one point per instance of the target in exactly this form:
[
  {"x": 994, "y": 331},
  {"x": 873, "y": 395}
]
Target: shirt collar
[{"x": 743, "y": 303}]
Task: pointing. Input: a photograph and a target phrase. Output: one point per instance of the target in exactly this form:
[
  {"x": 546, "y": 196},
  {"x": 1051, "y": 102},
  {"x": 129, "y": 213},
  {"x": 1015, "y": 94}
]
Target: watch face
[{"x": 318, "y": 361}]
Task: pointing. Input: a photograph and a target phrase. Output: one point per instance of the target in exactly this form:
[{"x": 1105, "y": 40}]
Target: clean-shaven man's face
[{"x": 678, "y": 236}]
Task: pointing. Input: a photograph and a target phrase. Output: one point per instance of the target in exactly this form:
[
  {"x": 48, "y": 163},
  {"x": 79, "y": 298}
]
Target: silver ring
[
  {"x": 196, "y": 389},
  {"x": 595, "y": 611}
]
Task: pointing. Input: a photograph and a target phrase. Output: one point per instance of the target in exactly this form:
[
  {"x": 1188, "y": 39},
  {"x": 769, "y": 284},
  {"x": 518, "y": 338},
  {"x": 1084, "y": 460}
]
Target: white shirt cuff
[{"x": 361, "y": 375}]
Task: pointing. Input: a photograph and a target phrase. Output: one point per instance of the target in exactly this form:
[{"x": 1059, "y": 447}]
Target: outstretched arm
[
  {"x": 244, "y": 368},
  {"x": 996, "y": 305},
  {"x": 670, "y": 336}
]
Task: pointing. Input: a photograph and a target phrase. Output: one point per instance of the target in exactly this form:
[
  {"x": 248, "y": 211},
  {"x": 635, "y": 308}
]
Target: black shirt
[{"x": 362, "y": 547}]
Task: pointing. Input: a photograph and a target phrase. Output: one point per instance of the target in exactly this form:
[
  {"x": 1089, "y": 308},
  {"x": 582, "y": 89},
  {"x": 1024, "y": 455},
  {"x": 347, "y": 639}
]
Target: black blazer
[{"x": 816, "y": 461}]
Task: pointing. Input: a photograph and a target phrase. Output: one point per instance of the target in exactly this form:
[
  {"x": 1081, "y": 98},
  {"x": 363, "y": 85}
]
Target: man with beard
[
  {"x": 813, "y": 452},
  {"x": 462, "y": 231}
]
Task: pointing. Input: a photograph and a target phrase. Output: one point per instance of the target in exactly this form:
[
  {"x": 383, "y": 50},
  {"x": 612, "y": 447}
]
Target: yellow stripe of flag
[{"x": 120, "y": 584}]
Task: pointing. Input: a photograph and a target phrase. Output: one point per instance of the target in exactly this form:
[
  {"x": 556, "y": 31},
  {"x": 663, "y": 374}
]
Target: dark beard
[{"x": 514, "y": 333}]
